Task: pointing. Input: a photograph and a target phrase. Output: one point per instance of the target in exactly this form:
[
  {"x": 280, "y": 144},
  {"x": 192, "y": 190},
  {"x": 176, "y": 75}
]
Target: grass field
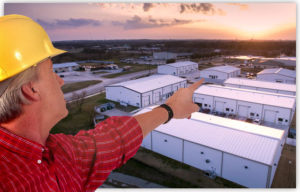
[
  {"x": 79, "y": 119},
  {"x": 78, "y": 85},
  {"x": 135, "y": 68}
]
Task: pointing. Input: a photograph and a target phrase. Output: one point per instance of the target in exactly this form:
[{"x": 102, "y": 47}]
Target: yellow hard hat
[{"x": 23, "y": 43}]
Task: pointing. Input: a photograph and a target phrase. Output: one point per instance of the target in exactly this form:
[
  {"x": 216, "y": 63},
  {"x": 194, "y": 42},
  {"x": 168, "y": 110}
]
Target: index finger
[{"x": 195, "y": 85}]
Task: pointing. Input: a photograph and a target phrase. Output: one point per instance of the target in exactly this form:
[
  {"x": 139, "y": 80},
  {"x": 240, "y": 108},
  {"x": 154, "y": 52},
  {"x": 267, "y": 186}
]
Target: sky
[{"x": 105, "y": 21}]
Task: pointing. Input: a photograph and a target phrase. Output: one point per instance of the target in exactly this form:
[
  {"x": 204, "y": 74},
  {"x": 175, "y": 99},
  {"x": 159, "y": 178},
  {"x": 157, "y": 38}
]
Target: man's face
[{"x": 52, "y": 97}]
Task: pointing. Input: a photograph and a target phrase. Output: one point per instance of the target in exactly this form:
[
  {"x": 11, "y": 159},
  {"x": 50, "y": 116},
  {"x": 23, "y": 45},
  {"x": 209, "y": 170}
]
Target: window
[
  {"x": 280, "y": 119},
  {"x": 227, "y": 109},
  {"x": 286, "y": 120},
  {"x": 205, "y": 105},
  {"x": 251, "y": 114},
  {"x": 257, "y": 115}
]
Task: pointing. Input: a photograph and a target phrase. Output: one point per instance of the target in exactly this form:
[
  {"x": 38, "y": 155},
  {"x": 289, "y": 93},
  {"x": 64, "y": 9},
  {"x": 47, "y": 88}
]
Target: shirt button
[{"x": 39, "y": 161}]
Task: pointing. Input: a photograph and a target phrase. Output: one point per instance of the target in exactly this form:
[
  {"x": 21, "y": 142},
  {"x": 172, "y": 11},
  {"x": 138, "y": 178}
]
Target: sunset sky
[{"x": 104, "y": 21}]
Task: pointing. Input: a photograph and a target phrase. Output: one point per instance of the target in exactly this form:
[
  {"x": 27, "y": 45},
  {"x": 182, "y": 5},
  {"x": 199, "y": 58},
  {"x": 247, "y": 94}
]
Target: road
[{"x": 97, "y": 88}]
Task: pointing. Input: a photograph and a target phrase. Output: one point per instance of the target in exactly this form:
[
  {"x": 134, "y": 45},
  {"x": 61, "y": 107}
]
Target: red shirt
[{"x": 67, "y": 163}]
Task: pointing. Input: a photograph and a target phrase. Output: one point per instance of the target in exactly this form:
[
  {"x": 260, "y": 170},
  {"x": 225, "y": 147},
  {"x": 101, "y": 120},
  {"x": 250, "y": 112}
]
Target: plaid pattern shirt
[{"x": 67, "y": 163}]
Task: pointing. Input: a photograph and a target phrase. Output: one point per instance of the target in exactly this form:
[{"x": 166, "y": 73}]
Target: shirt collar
[{"x": 20, "y": 145}]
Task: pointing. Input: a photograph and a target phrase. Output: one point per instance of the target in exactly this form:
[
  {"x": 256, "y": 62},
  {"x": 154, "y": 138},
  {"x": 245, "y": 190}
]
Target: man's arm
[{"x": 181, "y": 103}]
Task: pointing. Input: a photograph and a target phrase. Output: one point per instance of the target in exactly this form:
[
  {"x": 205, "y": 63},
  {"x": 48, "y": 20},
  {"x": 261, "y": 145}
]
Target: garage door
[
  {"x": 243, "y": 111},
  {"x": 156, "y": 97},
  {"x": 270, "y": 116},
  {"x": 219, "y": 106},
  {"x": 146, "y": 100}
]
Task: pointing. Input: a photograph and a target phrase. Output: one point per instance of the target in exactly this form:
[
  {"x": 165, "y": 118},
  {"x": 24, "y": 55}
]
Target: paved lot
[{"x": 116, "y": 112}]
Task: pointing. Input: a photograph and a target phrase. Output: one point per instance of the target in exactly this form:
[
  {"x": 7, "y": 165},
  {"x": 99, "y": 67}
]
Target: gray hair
[{"x": 13, "y": 98}]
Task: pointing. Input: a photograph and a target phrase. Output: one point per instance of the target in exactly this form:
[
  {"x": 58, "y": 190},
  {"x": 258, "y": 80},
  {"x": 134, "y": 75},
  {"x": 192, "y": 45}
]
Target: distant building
[
  {"x": 145, "y": 91},
  {"x": 271, "y": 108},
  {"x": 220, "y": 72},
  {"x": 164, "y": 55},
  {"x": 65, "y": 67},
  {"x": 178, "y": 68},
  {"x": 281, "y": 88},
  {"x": 241, "y": 152},
  {"x": 287, "y": 61},
  {"x": 278, "y": 75}
]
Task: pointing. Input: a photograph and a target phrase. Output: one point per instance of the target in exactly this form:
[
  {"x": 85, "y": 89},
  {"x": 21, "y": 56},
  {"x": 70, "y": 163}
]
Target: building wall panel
[
  {"x": 202, "y": 157},
  {"x": 167, "y": 145},
  {"x": 245, "y": 172}
]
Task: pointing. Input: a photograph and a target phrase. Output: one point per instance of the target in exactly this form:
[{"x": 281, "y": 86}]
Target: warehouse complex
[
  {"x": 282, "y": 88},
  {"x": 269, "y": 107},
  {"x": 220, "y": 72},
  {"x": 65, "y": 67},
  {"x": 145, "y": 91},
  {"x": 241, "y": 152},
  {"x": 178, "y": 68},
  {"x": 279, "y": 75}
]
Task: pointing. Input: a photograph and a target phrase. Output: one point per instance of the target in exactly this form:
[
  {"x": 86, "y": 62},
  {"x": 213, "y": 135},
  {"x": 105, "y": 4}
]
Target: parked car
[
  {"x": 104, "y": 107},
  {"x": 98, "y": 118},
  {"x": 256, "y": 121},
  {"x": 205, "y": 110}
]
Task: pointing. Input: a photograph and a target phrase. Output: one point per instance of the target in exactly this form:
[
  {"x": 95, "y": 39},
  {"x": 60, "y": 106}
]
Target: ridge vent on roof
[{"x": 278, "y": 70}]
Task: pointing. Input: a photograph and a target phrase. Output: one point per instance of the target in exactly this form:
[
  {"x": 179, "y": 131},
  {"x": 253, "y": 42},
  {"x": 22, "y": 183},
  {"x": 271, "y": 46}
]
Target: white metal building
[
  {"x": 164, "y": 55},
  {"x": 269, "y": 107},
  {"x": 282, "y": 88},
  {"x": 220, "y": 72},
  {"x": 241, "y": 152},
  {"x": 278, "y": 75},
  {"x": 178, "y": 68},
  {"x": 145, "y": 91},
  {"x": 65, "y": 67}
]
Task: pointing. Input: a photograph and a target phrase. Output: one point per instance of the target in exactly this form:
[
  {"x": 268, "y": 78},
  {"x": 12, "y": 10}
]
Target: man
[{"x": 31, "y": 103}]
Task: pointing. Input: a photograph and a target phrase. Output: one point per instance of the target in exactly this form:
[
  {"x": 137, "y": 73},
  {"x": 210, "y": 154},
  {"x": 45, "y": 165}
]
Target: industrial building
[
  {"x": 281, "y": 88},
  {"x": 268, "y": 107},
  {"x": 279, "y": 75},
  {"x": 220, "y": 72},
  {"x": 164, "y": 55},
  {"x": 145, "y": 91},
  {"x": 178, "y": 68},
  {"x": 241, "y": 152},
  {"x": 65, "y": 67}
]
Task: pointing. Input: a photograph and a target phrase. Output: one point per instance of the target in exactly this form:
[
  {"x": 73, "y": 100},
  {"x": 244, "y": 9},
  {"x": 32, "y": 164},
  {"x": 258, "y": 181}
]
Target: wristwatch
[{"x": 169, "y": 110}]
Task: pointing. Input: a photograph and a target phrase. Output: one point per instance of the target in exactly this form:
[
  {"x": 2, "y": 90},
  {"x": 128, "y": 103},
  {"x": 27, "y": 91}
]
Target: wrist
[{"x": 169, "y": 111}]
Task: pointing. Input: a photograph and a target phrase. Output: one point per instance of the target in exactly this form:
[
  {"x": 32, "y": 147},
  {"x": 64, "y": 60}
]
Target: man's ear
[{"x": 30, "y": 92}]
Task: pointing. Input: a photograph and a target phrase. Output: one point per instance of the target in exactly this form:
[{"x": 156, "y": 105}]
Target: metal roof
[
  {"x": 225, "y": 69},
  {"x": 70, "y": 64},
  {"x": 150, "y": 83},
  {"x": 261, "y": 84},
  {"x": 181, "y": 64},
  {"x": 280, "y": 71},
  {"x": 273, "y": 99},
  {"x": 246, "y": 140}
]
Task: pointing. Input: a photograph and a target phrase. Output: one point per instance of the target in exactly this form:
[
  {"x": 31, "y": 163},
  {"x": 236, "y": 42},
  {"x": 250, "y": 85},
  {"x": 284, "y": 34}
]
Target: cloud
[
  {"x": 241, "y": 5},
  {"x": 137, "y": 22},
  {"x": 147, "y": 6},
  {"x": 205, "y": 8},
  {"x": 69, "y": 23}
]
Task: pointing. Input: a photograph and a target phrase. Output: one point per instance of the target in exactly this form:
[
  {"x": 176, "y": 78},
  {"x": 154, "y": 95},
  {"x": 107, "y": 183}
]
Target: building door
[
  {"x": 146, "y": 100},
  {"x": 270, "y": 116},
  {"x": 243, "y": 111},
  {"x": 219, "y": 106},
  {"x": 156, "y": 97}
]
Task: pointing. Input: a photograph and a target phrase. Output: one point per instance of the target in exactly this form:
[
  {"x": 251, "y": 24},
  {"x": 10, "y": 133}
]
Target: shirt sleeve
[{"x": 98, "y": 151}]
